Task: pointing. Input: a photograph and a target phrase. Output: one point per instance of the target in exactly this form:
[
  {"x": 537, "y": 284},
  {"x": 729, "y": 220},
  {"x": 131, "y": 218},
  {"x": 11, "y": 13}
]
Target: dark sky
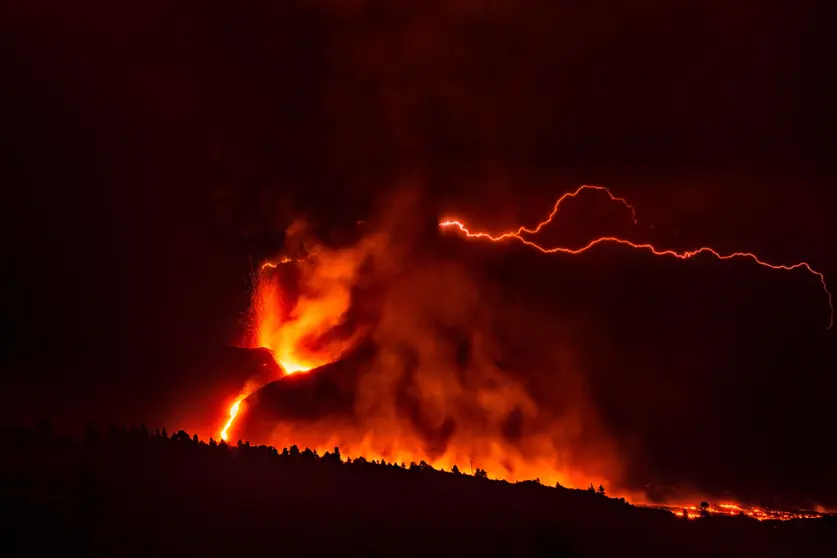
[{"x": 150, "y": 153}]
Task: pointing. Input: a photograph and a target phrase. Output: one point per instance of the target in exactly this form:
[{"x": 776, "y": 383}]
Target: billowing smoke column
[{"x": 427, "y": 364}]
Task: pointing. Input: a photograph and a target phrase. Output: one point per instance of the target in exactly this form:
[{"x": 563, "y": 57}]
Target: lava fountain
[
  {"x": 297, "y": 327},
  {"x": 275, "y": 330}
]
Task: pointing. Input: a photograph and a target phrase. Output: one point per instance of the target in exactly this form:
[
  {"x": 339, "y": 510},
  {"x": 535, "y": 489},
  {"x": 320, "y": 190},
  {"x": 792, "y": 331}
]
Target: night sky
[{"x": 150, "y": 155}]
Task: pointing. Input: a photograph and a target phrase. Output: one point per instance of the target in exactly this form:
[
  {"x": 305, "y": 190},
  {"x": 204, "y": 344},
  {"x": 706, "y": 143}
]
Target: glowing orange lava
[
  {"x": 284, "y": 331},
  {"x": 685, "y": 255},
  {"x": 762, "y": 514},
  {"x": 233, "y": 412}
]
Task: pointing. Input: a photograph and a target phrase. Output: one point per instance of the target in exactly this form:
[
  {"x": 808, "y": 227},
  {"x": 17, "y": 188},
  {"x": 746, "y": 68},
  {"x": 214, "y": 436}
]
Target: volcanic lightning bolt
[
  {"x": 519, "y": 235},
  {"x": 274, "y": 265}
]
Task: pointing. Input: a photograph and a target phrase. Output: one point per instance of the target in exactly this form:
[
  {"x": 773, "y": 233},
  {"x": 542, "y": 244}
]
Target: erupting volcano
[{"x": 408, "y": 360}]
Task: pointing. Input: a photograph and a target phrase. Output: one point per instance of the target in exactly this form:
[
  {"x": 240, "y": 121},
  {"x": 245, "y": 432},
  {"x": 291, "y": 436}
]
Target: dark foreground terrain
[{"x": 130, "y": 492}]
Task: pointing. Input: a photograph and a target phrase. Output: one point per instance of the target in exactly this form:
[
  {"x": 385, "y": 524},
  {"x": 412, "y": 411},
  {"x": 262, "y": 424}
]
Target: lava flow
[
  {"x": 762, "y": 514},
  {"x": 233, "y": 412},
  {"x": 291, "y": 328},
  {"x": 684, "y": 255},
  {"x": 277, "y": 334}
]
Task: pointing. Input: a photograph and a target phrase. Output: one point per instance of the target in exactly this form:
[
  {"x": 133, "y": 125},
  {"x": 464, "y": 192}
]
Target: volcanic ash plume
[{"x": 431, "y": 367}]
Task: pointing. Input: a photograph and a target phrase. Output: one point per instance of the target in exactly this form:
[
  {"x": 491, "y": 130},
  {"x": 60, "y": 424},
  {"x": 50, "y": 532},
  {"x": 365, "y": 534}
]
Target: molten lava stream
[
  {"x": 693, "y": 512},
  {"x": 233, "y": 412},
  {"x": 279, "y": 333},
  {"x": 292, "y": 368}
]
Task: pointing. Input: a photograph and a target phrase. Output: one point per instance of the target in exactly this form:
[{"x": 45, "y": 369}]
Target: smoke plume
[{"x": 462, "y": 374}]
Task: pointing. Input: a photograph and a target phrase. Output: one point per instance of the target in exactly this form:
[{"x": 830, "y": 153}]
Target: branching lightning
[
  {"x": 520, "y": 234},
  {"x": 274, "y": 265}
]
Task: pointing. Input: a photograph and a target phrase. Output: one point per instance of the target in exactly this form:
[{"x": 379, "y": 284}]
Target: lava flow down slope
[
  {"x": 394, "y": 348},
  {"x": 303, "y": 400}
]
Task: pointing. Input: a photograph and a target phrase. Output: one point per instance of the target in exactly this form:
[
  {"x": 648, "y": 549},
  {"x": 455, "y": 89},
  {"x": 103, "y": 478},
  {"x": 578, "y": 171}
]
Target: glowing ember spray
[{"x": 292, "y": 329}]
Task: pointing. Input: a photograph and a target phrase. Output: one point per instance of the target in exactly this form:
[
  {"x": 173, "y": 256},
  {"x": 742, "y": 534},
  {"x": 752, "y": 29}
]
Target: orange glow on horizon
[{"x": 693, "y": 512}]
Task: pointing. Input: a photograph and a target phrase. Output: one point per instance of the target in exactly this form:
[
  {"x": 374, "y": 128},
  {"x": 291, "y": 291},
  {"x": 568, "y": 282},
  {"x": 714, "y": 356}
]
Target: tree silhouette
[
  {"x": 330, "y": 457},
  {"x": 308, "y": 454},
  {"x": 97, "y": 471}
]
